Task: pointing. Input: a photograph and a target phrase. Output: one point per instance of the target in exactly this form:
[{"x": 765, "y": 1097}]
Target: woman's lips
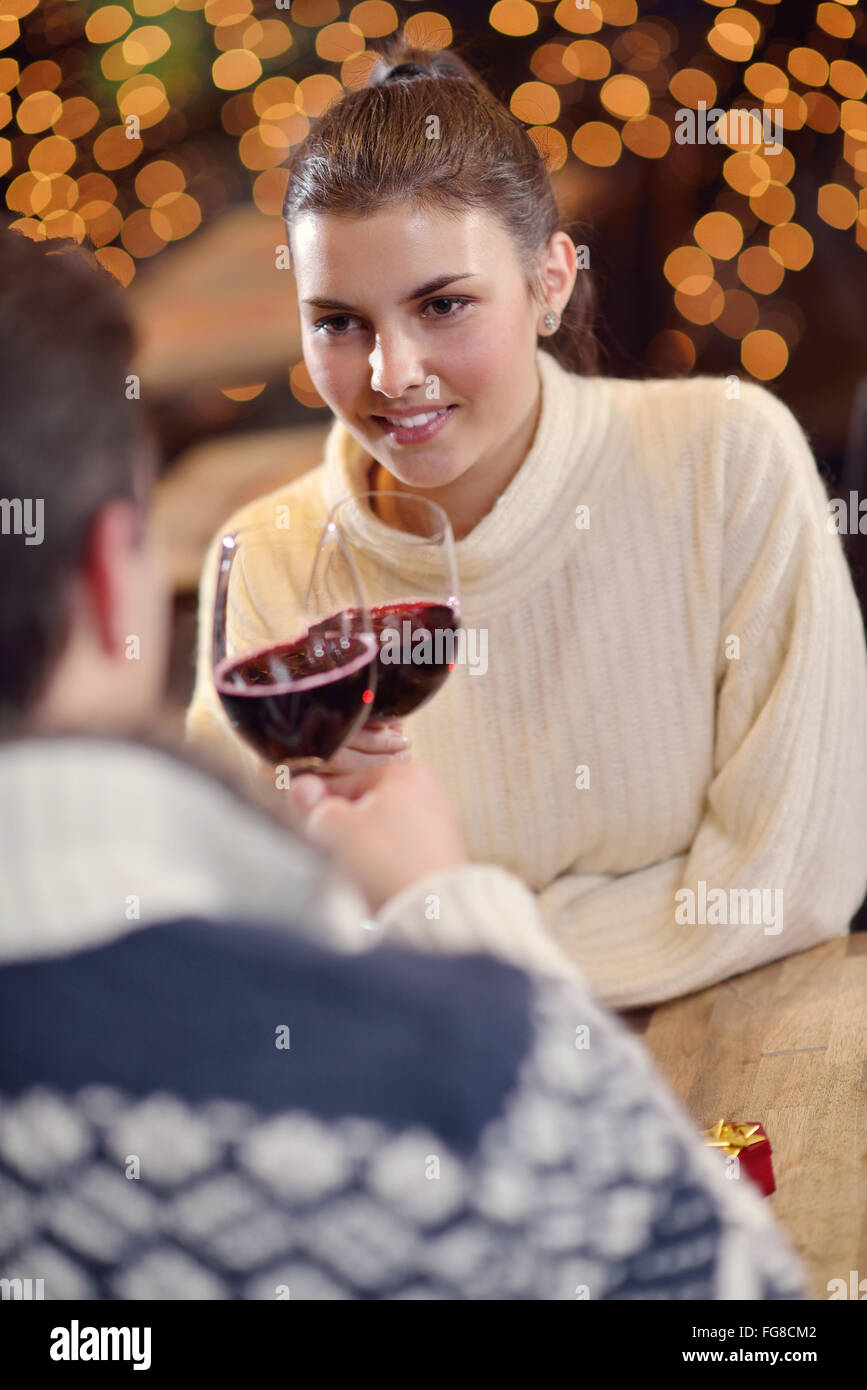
[{"x": 420, "y": 433}]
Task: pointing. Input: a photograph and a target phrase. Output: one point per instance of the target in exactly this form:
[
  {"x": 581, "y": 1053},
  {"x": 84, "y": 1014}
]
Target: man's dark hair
[{"x": 69, "y": 435}]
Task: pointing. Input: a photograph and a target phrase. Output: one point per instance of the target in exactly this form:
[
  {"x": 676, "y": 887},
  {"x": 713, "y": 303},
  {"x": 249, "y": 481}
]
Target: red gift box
[{"x": 749, "y": 1143}]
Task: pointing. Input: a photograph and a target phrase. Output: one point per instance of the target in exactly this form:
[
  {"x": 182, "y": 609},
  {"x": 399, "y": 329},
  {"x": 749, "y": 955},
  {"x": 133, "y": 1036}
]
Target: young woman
[{"x": 668, "y": 744}]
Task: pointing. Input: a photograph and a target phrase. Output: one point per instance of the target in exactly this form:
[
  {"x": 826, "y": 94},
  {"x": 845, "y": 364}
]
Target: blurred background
[{"x": 710, "y": 258}]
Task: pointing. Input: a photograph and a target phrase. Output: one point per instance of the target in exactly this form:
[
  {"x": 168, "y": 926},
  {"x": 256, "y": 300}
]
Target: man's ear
[{"x": 115, "y": 534}]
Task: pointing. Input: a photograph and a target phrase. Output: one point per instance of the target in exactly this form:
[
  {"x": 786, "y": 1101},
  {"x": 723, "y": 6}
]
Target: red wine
[
  {"x": 413, "y": 660},
  {"x": 301, "y": 699}
]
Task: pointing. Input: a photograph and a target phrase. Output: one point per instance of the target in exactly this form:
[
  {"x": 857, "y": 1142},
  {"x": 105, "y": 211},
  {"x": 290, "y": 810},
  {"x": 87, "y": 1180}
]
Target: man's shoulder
[{"x": 266, "y": 1018}]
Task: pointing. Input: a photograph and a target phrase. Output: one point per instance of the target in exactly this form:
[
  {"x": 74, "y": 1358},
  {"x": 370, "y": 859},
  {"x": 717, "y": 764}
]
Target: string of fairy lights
[{"x": 607, "y": 84}]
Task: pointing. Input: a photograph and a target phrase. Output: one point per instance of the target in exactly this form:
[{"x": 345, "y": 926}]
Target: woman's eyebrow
[{"x": 430, "y": 288}]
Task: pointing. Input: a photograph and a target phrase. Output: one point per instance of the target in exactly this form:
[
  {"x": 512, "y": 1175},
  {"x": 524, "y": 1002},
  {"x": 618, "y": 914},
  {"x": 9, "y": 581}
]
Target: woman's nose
[{"x": 394, "y": 366}]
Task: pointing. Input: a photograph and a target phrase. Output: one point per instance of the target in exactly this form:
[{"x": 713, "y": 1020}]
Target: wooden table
[{"x": 786, "y": 1045}]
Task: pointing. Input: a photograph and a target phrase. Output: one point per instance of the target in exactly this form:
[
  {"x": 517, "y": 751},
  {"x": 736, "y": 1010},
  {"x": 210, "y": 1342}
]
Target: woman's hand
[
  {"x": 378, "y": 741},
  {"x": 387, "y": 826}
]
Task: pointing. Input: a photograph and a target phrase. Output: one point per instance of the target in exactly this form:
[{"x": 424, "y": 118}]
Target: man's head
[{"x": 83, "y": 618}]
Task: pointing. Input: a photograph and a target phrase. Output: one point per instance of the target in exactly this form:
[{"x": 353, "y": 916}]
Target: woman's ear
[{"x": 557, "y": 272}]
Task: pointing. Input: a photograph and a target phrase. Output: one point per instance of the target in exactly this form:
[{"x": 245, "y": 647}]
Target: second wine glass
[{"x": 404, "y": 552}]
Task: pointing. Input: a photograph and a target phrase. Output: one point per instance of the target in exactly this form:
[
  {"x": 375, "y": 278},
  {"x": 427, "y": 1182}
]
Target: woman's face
[{"x": 411, "y": 311}]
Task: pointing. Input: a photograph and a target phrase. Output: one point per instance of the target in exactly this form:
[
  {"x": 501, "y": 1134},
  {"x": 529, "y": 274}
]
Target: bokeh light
[
  {"x": 689, "y": 270},
  {"x": 739, "y": 315},
  {"x": 551, "y": 145},
  {"x": 38, "y": 111},
  {"x": 145, "y": 45},
  {"x": 302, "y": 387},
  {"x": 671, "y": 352},
  {"x": 517, "y": 18},
  {"x": 588, "y": 59},
  {"x": 764, "y": 354},
  {"x": 837, "y": 205},
  {"x": 235, "y": 69},
  {"x": 647, "y": 136},
  {"x": 77, "y": 116},
  {"x": 625, "y": 96},
  {"x": 108, "y": 23},
  {"x": 836, "y": 20},
  {"x": 597, "y": 142},
  {"x": 808, "y": 66},
  {"x": 536, "y": 102},
  {"x": 775, "y": 204},
  {"x": 792, "y": 246},
  {"x": 375, "y": 18},
  {"x": 760, "y": 270},
  {"x": 691, "y": 86},
  {"x": 428, "y": 30},
  {"x": 337, "y": 42},
  {"x": 586, "y": 19},
  {"x": 719, "y": 234},
  {"x": 700, "y": 308},
  {"x": 244, "y": 393}
]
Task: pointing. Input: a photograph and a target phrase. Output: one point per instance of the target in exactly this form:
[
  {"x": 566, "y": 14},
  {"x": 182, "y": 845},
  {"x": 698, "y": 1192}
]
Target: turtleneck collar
[
  {"x": 566, "y": 447},
  {"x": 96, "y": 830}
]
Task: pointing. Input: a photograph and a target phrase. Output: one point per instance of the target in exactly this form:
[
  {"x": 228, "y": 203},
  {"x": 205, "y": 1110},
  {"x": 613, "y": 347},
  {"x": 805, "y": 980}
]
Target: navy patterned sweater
[{"x": 222, "y": 1108}]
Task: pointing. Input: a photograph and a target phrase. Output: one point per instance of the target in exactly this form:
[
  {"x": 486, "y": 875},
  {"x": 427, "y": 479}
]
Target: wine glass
[
  {"x": 294, "y": 652},
  {"x": 404, "y": 552}
]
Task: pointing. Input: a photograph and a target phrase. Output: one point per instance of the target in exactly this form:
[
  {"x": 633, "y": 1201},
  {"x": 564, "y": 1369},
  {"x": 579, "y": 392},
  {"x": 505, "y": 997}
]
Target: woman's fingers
[
  {"x": 369, "y": 747},
  {"x": 379, "y": 736},
  {"x": 351, "y": 771},
  {"x": 375, "y": 746}
]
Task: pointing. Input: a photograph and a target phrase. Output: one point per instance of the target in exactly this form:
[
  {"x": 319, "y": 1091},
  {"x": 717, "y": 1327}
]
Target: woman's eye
[
  {"x": 443, "y": 307},
  {"x": 332, "y": 325},
  {"x": 449, "y": 301}
]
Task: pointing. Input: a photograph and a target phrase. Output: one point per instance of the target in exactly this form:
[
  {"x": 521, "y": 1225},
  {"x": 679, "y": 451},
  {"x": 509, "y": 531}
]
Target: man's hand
[{"x": 387, "y": 826}]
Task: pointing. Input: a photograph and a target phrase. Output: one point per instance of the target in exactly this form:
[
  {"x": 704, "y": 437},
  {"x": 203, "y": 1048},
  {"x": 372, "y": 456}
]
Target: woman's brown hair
[{"x": 372, "y": 148}]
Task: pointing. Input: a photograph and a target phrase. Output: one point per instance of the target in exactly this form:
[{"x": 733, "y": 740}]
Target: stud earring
[{"x": 551, "y": 321}]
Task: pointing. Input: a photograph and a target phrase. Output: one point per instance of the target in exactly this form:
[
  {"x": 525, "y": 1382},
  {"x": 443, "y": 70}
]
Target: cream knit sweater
[{"x": 675, "y": 698}]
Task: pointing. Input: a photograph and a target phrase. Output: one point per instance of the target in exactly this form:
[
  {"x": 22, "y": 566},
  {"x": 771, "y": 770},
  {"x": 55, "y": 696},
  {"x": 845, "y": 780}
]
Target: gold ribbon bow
[{"x": 731, "y": 1137}]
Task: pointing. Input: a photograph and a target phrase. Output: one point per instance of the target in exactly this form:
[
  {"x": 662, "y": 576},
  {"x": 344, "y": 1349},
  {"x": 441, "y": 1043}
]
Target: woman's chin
[{"x": 424, "y": 473}]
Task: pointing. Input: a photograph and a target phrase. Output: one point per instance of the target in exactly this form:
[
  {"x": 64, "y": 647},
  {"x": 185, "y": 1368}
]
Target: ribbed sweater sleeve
[{"x": 786, "y": 809}]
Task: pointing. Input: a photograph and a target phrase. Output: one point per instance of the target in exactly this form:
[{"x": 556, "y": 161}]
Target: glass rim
[
  {"x": 368, "y": 637},
  {"x": 253, "y": 527}
]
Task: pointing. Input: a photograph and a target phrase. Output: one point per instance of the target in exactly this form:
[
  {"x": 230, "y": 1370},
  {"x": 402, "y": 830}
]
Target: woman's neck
[{"x": 471, "y": 496}]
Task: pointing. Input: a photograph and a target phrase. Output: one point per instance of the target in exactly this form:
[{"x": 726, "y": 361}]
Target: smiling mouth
[{"x": 409, "y": 422}]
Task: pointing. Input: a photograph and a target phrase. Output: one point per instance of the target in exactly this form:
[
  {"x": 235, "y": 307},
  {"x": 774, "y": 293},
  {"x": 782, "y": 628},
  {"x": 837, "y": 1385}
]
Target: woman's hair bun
[
  {"x": 402, "y": 62},
  {"x": 405, "y": 70}
]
